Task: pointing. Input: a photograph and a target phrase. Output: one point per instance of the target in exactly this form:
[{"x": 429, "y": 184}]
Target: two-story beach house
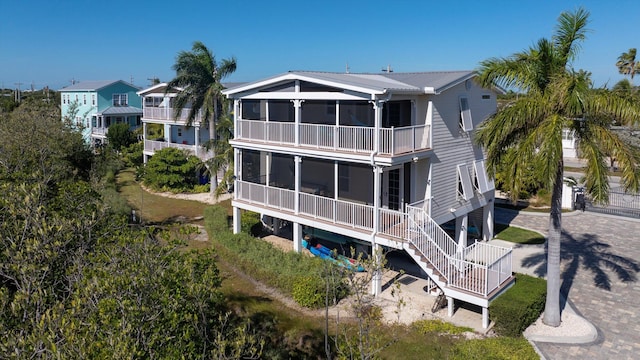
[
  {"x": 93, "y": 106},
  {"x": 158, "y": 109},
  {"x": 385, "y": 159}
]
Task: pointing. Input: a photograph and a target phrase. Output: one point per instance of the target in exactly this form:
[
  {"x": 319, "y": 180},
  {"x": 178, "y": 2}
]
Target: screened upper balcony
[{"x": 347, "y": 126}]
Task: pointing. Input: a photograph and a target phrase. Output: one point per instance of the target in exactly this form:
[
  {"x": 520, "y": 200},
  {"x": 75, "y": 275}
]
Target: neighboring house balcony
[
  {"x": 167, "y": 114},
  {"x": 475, "y": 273},
  {"x": 351, "y": 139},
  {"x": 151, "y": 146}
]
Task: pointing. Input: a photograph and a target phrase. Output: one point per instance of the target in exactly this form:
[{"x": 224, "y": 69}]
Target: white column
[
  {"x": 197, "y": 138},
  {"x": 297, "y": 237},
  {"x": 377, "y": 109},
  {"x": 335, "y": 180},
  {"x": 297, "y": 111},
  {"x": 167, "y": 133},
  {"x": 376, "y": 279},
  {"x": 237, "y": 171},
  {"x": 461, "y": 231},
  {"x": 297, "y": 160},
  {"x": 487, "y": 220},
  {"x": 450, "y": 306},
  {"x": 236, "y": 220},
  {"x": 236, "y": 115},
  {"x": 485, "y": 317}
]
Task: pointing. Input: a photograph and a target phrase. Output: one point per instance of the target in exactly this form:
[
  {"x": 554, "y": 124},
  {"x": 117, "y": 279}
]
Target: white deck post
[
  {"x": 297, "y": 237},
  {"x": 485, "y": 317},
  {"x": 461, "y": 231},
  {"x": 236, "y": 220},
  {"x": 297, "y": 160},
  {"x": 487, "y": 220},
  {"x": 297, "y": 107},
  {"x": 376, "y": 279},
  {"x": 450, "y": 306}
]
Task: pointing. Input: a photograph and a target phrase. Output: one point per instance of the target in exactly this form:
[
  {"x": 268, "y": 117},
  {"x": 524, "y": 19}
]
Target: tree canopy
[
  {"x": 199, "y": 76},
  {"x": 527, "y": 133}
]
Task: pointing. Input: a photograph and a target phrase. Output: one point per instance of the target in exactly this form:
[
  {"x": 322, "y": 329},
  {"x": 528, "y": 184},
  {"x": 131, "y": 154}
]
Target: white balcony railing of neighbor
[
  {"x": 357, "y": 139},
  {"x": 99, "y": 131},
  {"x": 167, "y": 113},
  {"x": 199, "y": 151},
  {"x": 479, "y": 268}
]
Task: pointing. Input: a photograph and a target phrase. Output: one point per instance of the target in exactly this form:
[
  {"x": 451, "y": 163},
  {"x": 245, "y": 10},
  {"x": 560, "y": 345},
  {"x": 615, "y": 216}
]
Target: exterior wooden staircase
[{"x": 475, "y": 274}]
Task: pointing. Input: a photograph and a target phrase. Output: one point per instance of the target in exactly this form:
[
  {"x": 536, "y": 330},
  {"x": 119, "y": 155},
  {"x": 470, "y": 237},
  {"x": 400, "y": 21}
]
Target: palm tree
[
  {"x": 627, "y": 64},
  {"x": 528, "y": 132},
  {"x": 199, "y": 76}
]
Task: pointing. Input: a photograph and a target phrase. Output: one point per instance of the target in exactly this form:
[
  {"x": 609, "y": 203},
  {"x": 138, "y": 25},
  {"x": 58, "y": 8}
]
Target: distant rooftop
[{"x": 92, "y": 85}]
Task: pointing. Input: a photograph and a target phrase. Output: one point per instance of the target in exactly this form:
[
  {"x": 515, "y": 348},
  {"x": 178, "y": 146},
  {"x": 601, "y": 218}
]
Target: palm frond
[{"x": 570, "y": 32}]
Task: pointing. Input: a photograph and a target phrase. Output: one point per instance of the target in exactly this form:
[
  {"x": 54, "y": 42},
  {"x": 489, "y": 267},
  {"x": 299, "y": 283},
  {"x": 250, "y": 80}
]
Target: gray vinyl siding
[{"x": 453, "y": 146}]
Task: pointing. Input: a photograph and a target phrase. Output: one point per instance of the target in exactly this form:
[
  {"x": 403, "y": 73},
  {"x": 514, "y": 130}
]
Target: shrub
[
  {"x": 250, "y": 223},
  {"x": 499, "y": 348},
  {"x": 520, "y": 306},
  {"x": 309, "y": 291},
  {"x": 438, "y": 326},
  {"x": 120, "y": 136},
  {"x": 170, "y": 169},
  {"x": 266, "y": 263}
]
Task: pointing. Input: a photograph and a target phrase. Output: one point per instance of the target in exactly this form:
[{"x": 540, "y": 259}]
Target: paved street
[{"x": 601, "y": 266}]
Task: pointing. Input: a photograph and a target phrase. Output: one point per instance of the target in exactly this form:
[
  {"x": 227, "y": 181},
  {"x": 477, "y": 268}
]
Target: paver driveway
[{"x": 600, "y": 270}]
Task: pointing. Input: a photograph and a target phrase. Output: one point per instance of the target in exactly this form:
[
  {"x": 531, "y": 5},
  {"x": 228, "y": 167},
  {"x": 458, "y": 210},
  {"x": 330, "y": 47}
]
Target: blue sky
[{"x": 51, "y": 42}]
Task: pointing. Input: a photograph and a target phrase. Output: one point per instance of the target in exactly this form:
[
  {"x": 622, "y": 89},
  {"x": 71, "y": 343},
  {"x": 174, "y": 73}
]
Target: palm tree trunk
[{"x": 552, "y": 305}]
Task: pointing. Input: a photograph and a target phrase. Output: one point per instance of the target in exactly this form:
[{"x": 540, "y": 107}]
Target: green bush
[
  {"x": 499, "y": 348},
  {"x": 250, "y": 223},
  {"x": 439, "y": 326},
  {"x": 171, "y": 169},
  {"x": 309, "y": 291},
  {"x": 520, "y": 306},
  {"x": 263, "y": 261}
]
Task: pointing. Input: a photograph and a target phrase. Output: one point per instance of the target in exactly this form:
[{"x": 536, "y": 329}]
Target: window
[
  {"x": 486, "y": 97},
  {"x": 64, "y": 99},
  {"x": 466, "y": 122},
  {"x": 343, "y": 177},
  {"x": 84, "y": 99},
  {"x": 482, "y": 182},
  {"x": 465, "y": 188},
  {"x": 93, "y": 99},
  {"x": 120, "y": 100},
  {"x": 79, "y": 121}
]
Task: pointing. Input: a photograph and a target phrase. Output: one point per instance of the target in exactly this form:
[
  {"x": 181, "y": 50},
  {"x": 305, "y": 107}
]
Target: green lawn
[
  {"x": 517, "y": 235},
  {"x": 154, "y": 208}
]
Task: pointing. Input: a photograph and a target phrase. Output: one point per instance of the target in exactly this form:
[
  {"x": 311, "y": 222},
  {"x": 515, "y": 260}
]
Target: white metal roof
[{"x": 417, "y": 82}]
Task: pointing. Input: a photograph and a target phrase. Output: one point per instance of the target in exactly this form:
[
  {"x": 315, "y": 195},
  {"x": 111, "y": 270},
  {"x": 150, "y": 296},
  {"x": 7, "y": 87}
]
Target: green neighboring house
[{"x": 98, "y": 105}]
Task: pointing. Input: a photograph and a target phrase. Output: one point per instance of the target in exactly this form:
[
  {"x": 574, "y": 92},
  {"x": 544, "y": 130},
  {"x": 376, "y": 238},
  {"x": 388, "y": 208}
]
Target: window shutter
[
  {"x": 465, "y": 115},
  {"x": 465, "y": 187}
]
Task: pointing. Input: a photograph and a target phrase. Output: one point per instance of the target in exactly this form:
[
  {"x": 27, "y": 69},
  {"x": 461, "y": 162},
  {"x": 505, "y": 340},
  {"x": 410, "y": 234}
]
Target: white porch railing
[
  {"x": 479, "y": 268},
  {"x": 358, "y": 139},
  {"x": 200, "y": 152},
  {"x": 167, "y": 113},
  {"x": 99, "y": 131}
]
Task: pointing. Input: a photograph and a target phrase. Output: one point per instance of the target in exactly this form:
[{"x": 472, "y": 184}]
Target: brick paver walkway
[{"x": 601, "y": 270}]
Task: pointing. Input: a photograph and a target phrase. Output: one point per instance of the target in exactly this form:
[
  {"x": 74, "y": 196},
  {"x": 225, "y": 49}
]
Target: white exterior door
[{"x": 392, "y": 189}]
